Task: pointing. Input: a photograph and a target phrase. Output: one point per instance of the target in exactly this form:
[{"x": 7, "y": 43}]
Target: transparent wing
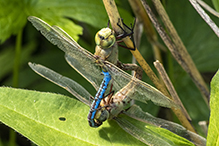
[
  {"x": 137, "y": 113},
  {"x": 141, "y": 91},
  {"x": 146, "y": 136},
  {"x": 71, "y": 86},
  {"x": 84, "y": 63},
  {"x": 83, "y": 59}
]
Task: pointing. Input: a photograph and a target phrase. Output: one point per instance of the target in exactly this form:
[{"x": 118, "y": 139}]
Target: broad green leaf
[
  {"x": 213, "y": 130},
  {"x": 53, "y": 119},
  {"x": 216, "y": 4}
]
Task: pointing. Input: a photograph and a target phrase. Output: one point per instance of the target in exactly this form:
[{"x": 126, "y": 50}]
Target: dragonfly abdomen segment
[{"x": 96, "y": 102}]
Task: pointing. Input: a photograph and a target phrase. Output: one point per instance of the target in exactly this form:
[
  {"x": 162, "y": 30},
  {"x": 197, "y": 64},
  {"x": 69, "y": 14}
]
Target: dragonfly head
[
  {"x": 102, "y": 115},
  {"x": 105, "y": 38},
  {"x": 94, "y": 123}
]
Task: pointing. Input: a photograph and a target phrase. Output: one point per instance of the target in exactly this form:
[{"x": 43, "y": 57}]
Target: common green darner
[
  {"x": 106, "y": 49},
  {"x": 85, "y": 63}
]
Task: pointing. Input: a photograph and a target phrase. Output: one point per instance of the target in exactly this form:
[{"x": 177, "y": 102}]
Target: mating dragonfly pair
[{"x": 127, "y": 87}]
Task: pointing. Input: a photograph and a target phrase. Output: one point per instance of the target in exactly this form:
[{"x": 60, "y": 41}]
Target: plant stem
[
  {"x": 17, "y": 59},
  {"x": 176, "y": 47},
  {"x": 12, "y": 136},
  {"x": 114, "y": 17}
]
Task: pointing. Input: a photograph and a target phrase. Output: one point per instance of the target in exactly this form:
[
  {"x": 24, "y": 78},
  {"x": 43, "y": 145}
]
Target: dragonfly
[
  {"x": 85, "y": 63},
  {"x": 134, "y": 111},
  {"x": 106, "y": 49}
]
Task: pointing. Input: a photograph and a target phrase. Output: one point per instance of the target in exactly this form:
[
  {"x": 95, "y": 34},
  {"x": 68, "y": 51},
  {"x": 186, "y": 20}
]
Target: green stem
[
  {"x": 170, "y": 65},
  {"x": 17, "y": 59},
  {"x": 12, "y": 139}
]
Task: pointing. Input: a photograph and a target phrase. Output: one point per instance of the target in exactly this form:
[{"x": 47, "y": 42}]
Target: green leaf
[
  {"x": 202, "y": 44},
  {"x": 216, "y": 4},
  {"x": 213, "y": 130},
  {"x": 12, "y": 18},
  {"x": 53, "y": 119},
  {"x": 86, "y": 11},
  {"x": 200, "y": 41},
  {"x": 14, "y": 13}
]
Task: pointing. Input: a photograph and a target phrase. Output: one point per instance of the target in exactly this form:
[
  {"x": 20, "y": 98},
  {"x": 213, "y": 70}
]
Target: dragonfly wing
[
  {"x": 84, "y": 66},
  {"x": 71, "y": 86},
  {"x": 137, "y": 113},
  {"x": 145, "y": 135},
  {"x": 56, "y": 35},
  {"x": 79, "y": 55},
  {"x": 84, "y": 62},
  {"x": 141, "y": 91}
]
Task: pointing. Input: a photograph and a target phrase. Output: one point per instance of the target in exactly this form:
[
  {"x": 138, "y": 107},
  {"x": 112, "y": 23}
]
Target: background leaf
[
  {"x": 14, "y": 15},
  {"x": 202, "y": 44},
  {"x": 213, "y": 131},
  {"x": 216, "y": 4},
  {"x": 12, "y": 18}
]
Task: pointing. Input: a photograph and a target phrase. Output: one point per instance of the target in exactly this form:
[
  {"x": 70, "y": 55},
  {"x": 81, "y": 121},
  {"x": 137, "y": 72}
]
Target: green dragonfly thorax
[{"x": 106, "y": 45}]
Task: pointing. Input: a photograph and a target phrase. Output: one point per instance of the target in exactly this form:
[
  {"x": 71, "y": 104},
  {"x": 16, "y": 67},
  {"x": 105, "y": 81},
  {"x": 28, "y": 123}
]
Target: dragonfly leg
[
  {"x": 90, "y": 98},
  {"x": 125, "y": 34},
  {"x": 108, "y": 23},
  {"x": 101, "y": 107},
  {"x": 109, "y": 95},
  {"x": 137, "y": 70},
  {"x": 133, "y": 49},
  {"x": 106, "y": 104}
]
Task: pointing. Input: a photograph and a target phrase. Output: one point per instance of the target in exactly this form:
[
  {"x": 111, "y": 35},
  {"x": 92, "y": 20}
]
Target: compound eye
[
  {"x": 101, "y": 37},
  {"x": 102, "y": 115}
]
